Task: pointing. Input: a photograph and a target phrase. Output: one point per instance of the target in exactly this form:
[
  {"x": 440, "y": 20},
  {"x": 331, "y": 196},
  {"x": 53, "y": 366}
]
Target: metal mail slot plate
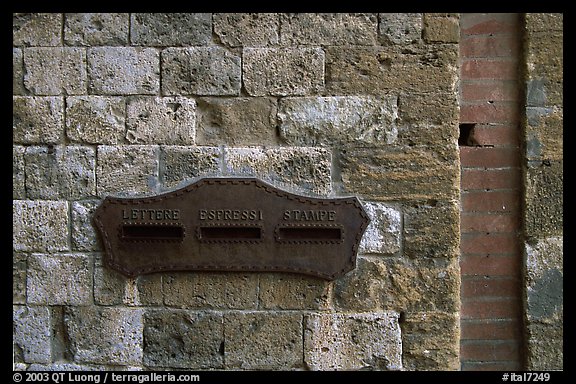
[{"x": 231, "y": 224}]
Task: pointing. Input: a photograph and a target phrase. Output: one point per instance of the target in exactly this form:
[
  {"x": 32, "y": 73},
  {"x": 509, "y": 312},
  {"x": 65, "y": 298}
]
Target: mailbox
[{"x": 231, "y": 224}]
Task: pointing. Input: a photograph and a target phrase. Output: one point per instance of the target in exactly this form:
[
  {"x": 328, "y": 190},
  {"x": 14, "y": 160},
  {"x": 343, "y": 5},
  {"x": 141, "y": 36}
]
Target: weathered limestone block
[
  {"x": 297, "y": 29},
  {"x": 383, "y": 235},
  {"x": 37, "y": 119},
  {"x": 160, "y": 120},
  {"x": 55, "y": 71},
  {"x": 123, "y": 71},
  {"x": 329, "y": 121},
  {"x": 289, "y": 291},
  {"x": 82, "y": 231},
  {"x": 183, "y": 339},
  {"x": 283, "y": 71},
  {"x": 62, "y": 279},
  {"x": 96, "y": 29},
  {"x": 170, "y": 29},
  {"x": 211, "y": 290},
  {"x": 32, "y": 334},
  {"x": 18, "y": 72},
  {"x": 42, "y": 29},
  {"x": 544, "y": 199},
  {"x": 39, "y": 226},
  {"x": 180, "y": 164},
  {"x": 263, "y": 340},
  {"x": 303, "y": 168},
  {"x": 18, "y": 175},
  {"x": 430, "y": 341},
  {"x": 400, "y": 28},
  {"x": 200, "y": 71},
  {"x": 60, "y": 172},
  {"x": 127, "y": 169},
  {"x": 19, "y": 267},
  {"x": 353, "y": 341},
  {"x": 236, "y": 121},
  {"x": 247, "y": 29},
  {"x": 95, "y": 119},
  {"x": 105, "y": 335}
]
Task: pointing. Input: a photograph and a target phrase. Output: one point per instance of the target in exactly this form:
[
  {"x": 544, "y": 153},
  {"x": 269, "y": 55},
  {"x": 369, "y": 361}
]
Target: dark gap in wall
[{"x": 466, "y": 138}]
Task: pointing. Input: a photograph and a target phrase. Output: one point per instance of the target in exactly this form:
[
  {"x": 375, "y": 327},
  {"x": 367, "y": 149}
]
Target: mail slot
[{"x": 231, "y": 224}]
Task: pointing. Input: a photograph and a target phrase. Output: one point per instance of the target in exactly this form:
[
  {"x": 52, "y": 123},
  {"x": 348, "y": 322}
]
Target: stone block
[
  {"x": 544, "y": 133},
  {"x": 123, "y": 71},
  {"x": 55, "y": 71},
  {"x": 200, "y": 71},
  {"x": 247, "y": 29},
  {"x": 290, "y": 291},
  {"x": 180, "y": 164},
  {"x": 441, "y": 29},
  {"x": 160, "y": 120},
  {"x": 263, "y": 340},
  {"x": 62, "y": 279},
  {"x": 383, "y": 235},
  {"x": 32, "y": 334},
  {"x": 430, "y": 341},
  {"x": 39, "y": 226},
  {"x": 302, "y": 168},
  {"x": 18, "y": 175},
  {"x": 183, "y": 339},
  {"x": 30, "y": 29},
  {"x": 127, "y": 169},
  {"x": 237, "y": 121},
  {"x": 105, "y": 335},
  {"x": 96, "y": 29},
  {"x": 60, "y": 172},
  {"x": 95, "y": 119},
  {"x": 18, "y": 72},
  {"x": 83, "y": 233},
  {"x": 400, "y": 28},
  {"x": 37, "y": 119},
  {"x": 400, "y": 285},
  {"x": 360, "y": 341},
  {"x": 545, "y": 347},
  {"x": 327, "y": 121},
  {"x": 170, "y": 29},
  {"x": 431, "y": 229},
  {"x": 544, "y": 199},
  {"x": 544, "y": 279},
  {"x": 424, "y": 109},
  {"x": 379, "y": 70},
  {"x": 401, "y": 173},
  {"x": 19, "y": 267},
  {"x": 297, "y": 29},
  {"x": 109, "y": 285},
  {"x": 211, "y": 290},
  {"x": 283, "y": 71}
]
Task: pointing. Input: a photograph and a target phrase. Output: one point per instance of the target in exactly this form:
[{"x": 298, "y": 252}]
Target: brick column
[{"x": 491, "y": 325}]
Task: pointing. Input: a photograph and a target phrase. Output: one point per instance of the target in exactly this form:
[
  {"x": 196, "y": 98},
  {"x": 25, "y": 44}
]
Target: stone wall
[
  {"x": 544, "y": 185},
  {"x": 319, "y": 104}
]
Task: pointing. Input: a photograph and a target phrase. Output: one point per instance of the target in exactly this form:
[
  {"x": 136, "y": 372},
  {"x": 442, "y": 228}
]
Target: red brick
[
  {"x": 492, "y": 201},
  {"x": 480, "y": 157},
  {"x": 506, "y": 365},
  {"x": 502, "y": 69},
  {"x": 499, "y": 287},
  {"x": 490, "y": 351},
  {"x": 489, "y": 90},
  {"x": 489, "y": 46},
  {"x": 508, "y": 308},
  {"x": 490, "y": 265},
  {"x": 491, "y": 330},
  {"x": 490, "y": 178},
  {"x": 494, "y": 243},
  {"x": 486, "y": 112},
  {"x": 489, "y": 23},
  {"x": 501, "y": 135},
  {"x": 488, "y": 223}
]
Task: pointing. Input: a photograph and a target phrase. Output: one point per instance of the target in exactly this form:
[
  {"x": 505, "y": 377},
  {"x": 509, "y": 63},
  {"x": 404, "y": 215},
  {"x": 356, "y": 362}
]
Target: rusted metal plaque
[{"x": 231, "y": 224}]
